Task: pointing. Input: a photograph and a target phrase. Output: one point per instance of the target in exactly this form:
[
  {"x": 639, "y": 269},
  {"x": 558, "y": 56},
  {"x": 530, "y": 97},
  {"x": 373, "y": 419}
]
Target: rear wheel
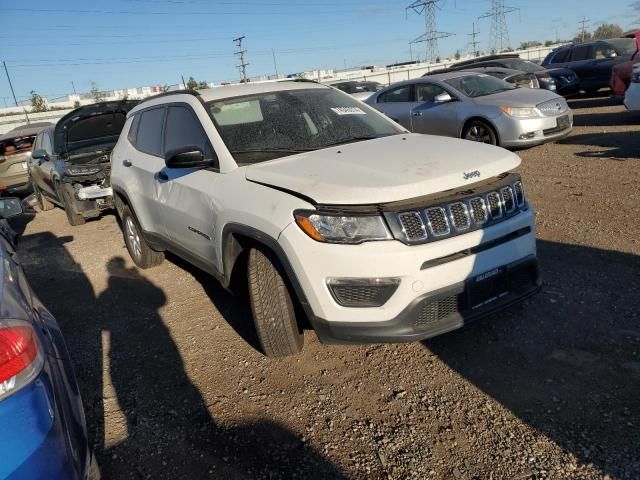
[
  {"x": 141, "y": 253},
  {"x": 272, "y": 307},
  {"x": 480, "y": 131},
  {"x": 43, "y": 203}
]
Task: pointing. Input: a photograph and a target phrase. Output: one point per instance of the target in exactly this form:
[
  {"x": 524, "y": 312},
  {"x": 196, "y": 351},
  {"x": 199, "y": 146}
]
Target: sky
[{"x": 54, "y": 47}]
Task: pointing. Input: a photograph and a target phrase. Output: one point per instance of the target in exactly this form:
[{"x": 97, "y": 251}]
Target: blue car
[{"x": 43, "y": 434}]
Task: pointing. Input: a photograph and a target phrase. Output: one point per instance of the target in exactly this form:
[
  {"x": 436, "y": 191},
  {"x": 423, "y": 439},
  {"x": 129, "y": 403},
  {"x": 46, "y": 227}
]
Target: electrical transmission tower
[
  {"x": 432, "y": 35},
  {"x": 474, "y": 42},
  {"x": 583, "y": 28},
  {"x": 499, "y": 36},
  {"x": 242, "y": 67}
]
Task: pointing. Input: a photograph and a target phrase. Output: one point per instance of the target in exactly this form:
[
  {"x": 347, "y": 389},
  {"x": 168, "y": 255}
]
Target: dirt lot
[{"x": 174, "y": 387}]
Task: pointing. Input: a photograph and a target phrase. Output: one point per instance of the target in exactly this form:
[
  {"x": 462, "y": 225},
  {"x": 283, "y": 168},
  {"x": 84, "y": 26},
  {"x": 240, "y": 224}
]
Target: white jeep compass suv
[{"x": 379, "y": 235}]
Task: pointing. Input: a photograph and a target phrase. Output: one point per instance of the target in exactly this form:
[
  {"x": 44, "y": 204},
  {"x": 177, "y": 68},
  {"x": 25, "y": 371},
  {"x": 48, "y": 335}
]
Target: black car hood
[{"x": 95, "y": 124}]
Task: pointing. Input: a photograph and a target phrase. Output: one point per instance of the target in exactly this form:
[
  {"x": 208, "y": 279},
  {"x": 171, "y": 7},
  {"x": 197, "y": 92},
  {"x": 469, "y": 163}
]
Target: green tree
[
  {"x": 202, "y": 85},
  {"x": 530, "y": 44},
  {"x": 607, "y": 30},
  {"x": 76, "y": 104},
  {"x": 192, "y": 84},
  {"x": 38, "y": 104},
  {"x": 95, "y": 92}
]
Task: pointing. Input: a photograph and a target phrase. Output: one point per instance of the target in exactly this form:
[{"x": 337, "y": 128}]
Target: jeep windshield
[
  {"x": 261, "y": 127},
  {"x": 478, "y": 85}
]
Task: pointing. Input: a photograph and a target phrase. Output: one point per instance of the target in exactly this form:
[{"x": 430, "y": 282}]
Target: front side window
[
  {"x": 149, "y": 137},
  {"x": 400, "y": 94},
  {"x": 183, "y": 129},
  {"x": 478, "y": 85},
  {"x": 427, "y": 92},
  {"x": 603, "y": 51},
  {"x": 582, "y": 52},
  {"x": 261, "y": 127}
]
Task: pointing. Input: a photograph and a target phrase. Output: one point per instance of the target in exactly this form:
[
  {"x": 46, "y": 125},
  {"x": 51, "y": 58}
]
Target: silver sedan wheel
[
  {"x": 479, "y": 133},
  {"x": 133, "y": 238}
]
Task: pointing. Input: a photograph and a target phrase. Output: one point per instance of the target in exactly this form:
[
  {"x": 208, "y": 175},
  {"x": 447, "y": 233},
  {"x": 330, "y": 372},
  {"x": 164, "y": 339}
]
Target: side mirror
[
  {"x": 611, "y": 54},
  {"x": 443, "y": 98},
  {"x": 10, "y": 207},
  {"x": 39, "y": 154},
  {"x": 188, "y": 156}
]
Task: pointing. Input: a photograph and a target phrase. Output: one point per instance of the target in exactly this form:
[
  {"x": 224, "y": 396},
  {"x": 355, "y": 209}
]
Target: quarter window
[
  {"x": 133, "y": 129},
  {"x": 400, "y": 94},
  {"x": 427, "y": 92},
  {"x": 149, "y": 138}
]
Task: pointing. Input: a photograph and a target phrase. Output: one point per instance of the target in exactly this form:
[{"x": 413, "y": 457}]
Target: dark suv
[{"x": 592, "y": 61}]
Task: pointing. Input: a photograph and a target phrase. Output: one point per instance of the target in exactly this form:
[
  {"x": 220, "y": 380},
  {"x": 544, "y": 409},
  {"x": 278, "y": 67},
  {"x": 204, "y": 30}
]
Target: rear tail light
[{"x": 20, "y": 356}]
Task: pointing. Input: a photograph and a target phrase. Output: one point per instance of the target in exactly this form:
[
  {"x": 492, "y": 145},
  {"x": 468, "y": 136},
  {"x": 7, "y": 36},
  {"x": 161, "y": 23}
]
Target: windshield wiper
[{"x": 361, "y": 138}]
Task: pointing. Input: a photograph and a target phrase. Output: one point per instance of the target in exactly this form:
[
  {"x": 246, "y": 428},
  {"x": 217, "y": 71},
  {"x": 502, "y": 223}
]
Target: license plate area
[
  {"x": 488, "y": 287},
  {"x": 563, "y": 122}
]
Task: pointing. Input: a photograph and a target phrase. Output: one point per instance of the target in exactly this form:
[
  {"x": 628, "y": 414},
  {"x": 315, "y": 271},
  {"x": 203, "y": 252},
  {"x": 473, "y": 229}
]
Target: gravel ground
[{"x": 174, "y": 387}]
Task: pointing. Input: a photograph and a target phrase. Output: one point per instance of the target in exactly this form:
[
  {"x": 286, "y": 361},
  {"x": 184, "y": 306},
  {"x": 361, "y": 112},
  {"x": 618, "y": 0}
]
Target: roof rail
[{"x": 185, "y": 91}]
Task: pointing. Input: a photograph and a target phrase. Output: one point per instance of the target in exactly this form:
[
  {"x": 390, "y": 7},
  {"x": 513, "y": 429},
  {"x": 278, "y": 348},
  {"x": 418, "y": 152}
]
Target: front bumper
[
  {"x": 632, "y": 97},
  {"x": 536, "y": 131},
  {"x": 439, "y": 312}
]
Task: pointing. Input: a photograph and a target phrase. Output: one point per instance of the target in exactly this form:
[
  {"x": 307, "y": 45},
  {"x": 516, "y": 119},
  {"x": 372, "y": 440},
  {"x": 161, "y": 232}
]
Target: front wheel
[
  {"x": 272, "y": 306},
  {"x": 74, "y": 218},
  {"x": 141, "y": 253},
  {"x": 43, "y": 203},
  {"x": 480, "y": 131}
]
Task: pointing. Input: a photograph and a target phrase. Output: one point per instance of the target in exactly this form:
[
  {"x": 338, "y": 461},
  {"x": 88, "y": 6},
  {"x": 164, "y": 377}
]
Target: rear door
[
  {"x": 582, "y": 62},
  {"x": 397, "y": 103},
  {"x": 45, "y": 168},
  {"x": 185, "y": 194},
  {"x": 605, "y": 57},
  {"x": 431, "y": 117}
]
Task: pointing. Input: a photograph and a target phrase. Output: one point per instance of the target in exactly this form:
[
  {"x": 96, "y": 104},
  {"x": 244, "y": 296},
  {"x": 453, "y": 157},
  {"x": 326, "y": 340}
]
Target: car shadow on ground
[
  {"x": 600, "y": 99},
  {"x": 616, "y": 145},
  {"x": 568, "y": 362},
  {"x": 607, "y": 119},
  {"x": 131, "y": 373}
]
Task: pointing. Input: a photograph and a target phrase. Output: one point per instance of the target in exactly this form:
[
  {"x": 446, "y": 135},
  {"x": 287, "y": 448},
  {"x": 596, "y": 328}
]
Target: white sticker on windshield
[{"x": 349, "y": 111}]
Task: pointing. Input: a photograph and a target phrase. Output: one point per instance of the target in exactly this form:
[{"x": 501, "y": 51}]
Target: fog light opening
[
  {"x": 527, "y": 136},
  {"x": 362, "y": 292}
]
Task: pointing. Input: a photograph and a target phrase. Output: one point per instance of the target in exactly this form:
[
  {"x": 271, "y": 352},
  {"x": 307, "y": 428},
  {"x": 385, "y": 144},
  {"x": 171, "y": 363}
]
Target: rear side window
[
  {"x": 582, "y": 52},
  {"x": 400, "y": 94},
  {"x": 184, "y": 129},
  {"x": 149, "y": 137},
  {"x": 561, "y": 56},
  {"x": 133, "y": 129},
  {"x": 46, "y": 143}
]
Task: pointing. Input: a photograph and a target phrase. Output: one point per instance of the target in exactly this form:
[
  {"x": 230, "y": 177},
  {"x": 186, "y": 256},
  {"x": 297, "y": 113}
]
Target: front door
[
  {"x": 396, "y": 104},
  {"x": 430, "y": 116}
]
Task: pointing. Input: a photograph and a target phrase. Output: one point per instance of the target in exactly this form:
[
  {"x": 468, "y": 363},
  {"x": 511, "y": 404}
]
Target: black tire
[
  {"x": 44, "y": 204},
  {"x": 141, "y": 253},
  {"x": 73, "y": 218},
  {"x": 272, "y": 307},
  {"x": 480, "y": 131}
]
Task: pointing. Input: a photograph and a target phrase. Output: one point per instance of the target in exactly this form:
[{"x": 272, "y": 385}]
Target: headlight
[
  {"x": 521, "y": 112},
  {"x": 76, "y": 170},
  {"x": 338, "y": 229}
]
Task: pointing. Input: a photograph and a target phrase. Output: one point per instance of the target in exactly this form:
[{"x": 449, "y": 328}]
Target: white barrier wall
[{"x": 10, "y": 122}]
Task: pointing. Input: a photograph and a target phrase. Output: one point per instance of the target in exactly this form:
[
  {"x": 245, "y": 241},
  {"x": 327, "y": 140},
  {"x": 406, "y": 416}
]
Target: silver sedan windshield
[{"x": 478, "y": 85}]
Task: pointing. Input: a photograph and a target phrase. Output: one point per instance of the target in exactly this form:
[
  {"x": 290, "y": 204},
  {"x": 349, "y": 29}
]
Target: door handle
[
  {"x": 417, "y": 114},
  {"x": 161, "y": 176},
  {"x": 127, "y": 163}
]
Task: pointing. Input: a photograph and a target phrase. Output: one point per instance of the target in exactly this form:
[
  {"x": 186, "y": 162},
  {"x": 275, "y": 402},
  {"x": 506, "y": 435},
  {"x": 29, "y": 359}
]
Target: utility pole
[
  {"x": 74, "y": 87},
  {"x": 474, "y": 42},
  {"x": 499, "y": 36},
  {"x": 583, "y": 29},
  {"x": 275, "y": 64},
  {"x": 15, "y": 100},
  {"x": 431, "y": 35},
  {"x": 242, "y": 67}
]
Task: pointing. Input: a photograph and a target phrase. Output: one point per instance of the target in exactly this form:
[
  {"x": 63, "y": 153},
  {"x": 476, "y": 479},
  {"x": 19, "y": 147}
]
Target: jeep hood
[
  {"x": 387, "y": 169},
  {"x": 91, "y": 125}
]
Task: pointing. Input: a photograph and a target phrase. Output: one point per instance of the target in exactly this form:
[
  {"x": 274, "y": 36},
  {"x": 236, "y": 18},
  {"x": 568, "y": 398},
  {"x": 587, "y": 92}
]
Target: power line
[
  {"x": 242, "y": 67},
  {"x": 431, "y": 35},
  {"x": 499, "y": 36},
  {"x": 474, "y": 42},
  {"x": 583, "y": 29}
]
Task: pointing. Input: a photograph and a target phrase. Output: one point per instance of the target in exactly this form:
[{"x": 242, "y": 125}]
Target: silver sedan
[{"x": 476, "y": 107}]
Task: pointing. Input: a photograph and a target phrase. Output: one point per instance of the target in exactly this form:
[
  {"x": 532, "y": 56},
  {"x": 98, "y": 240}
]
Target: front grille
[
  {"x": 437, "y": 220},
  {"x": 519, "y": 191},
  {"x": 413, "y": 226},
  {"x": 460, "y": 216},
  {"x": 552, "y": 108},
  {"x": 480, "y": 208},
  {"x": 508, "y": 199},
  {"x": 435, "y": 311},
  {"x": 495, "y": 205}
]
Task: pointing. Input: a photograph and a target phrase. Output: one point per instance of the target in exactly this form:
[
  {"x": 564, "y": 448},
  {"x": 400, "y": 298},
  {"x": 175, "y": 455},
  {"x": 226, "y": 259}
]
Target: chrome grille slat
[
  {"x": 459, "y": 214},
  {"x": 495, "y": 205},
  {"x": 478, "y": 210},
  {"x": 551, "y": 108},
  {"x": 519, "y": 192},
  {"x": 508, "y": 199},
  {"x": 413, "y": 226},
  {"x": 437, "y": 221}
]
